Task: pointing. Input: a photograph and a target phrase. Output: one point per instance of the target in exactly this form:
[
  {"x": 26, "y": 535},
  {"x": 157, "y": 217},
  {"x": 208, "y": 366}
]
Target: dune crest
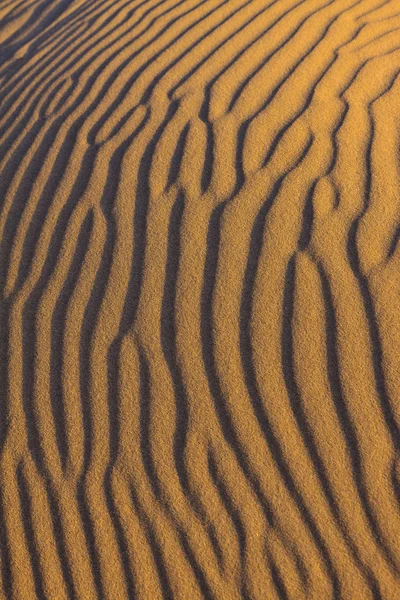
[{"x": 200, "y": 275}]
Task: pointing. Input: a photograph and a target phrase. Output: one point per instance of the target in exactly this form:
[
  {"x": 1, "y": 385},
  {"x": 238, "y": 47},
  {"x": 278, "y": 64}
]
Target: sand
[{"x": 200, "y": 279}]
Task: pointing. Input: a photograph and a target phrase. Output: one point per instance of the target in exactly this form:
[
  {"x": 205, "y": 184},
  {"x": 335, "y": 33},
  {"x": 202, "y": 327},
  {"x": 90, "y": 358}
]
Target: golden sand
[{"x": 200, "y": 285}]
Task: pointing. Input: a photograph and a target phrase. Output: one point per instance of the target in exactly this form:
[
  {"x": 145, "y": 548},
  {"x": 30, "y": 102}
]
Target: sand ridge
[{"x": 199, "y": 273}]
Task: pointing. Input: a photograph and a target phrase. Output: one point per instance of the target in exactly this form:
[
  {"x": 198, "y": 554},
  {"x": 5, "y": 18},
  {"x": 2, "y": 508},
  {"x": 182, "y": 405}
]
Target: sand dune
[{"x": 200, "y": 278}]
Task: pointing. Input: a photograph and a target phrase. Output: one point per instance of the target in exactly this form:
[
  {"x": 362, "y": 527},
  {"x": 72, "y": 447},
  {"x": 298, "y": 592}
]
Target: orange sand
[{"x": 200, "y": 285}]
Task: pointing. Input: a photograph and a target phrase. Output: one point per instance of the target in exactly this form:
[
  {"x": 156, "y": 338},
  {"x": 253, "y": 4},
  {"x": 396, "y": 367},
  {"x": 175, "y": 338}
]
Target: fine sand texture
[{"x": 200, "y": 299}]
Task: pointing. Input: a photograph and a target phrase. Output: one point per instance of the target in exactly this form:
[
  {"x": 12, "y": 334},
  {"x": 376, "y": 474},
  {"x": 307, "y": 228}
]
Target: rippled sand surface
[{"x": 200, "y": 285}]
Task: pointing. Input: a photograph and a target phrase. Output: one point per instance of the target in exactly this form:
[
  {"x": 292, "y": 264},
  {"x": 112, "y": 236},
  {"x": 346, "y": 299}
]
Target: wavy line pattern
[{"x": 200, "y": 275}]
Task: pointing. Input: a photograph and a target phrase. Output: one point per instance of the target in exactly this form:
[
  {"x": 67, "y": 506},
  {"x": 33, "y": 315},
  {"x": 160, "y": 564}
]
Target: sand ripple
[{"x": 200, "y": 278}]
